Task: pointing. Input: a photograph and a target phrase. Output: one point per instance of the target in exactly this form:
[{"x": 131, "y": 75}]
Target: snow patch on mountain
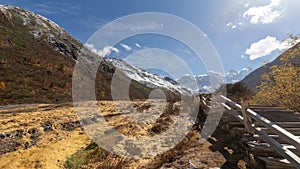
[
  {"x": 46, "y": 30},
  {"x": 208, "y": 83},
  {"x": 148, "y": 79}
]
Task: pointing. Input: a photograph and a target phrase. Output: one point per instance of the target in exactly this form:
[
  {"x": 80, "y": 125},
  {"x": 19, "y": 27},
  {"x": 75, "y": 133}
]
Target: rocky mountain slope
[
  {"x": 203, "y": 81},
  {"x": 148, "y": 79},
  {"x": 254, "y": 78},
  {"x": 37, "y": 60},
  {"x": 184, "y": 85}
]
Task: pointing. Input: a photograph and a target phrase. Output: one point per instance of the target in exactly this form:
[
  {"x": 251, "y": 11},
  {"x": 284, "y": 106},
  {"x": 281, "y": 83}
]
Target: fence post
[{"x": 246, "y": 118}]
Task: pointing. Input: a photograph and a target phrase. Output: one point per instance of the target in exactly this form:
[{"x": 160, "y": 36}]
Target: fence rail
[{"x": 253, "y": 120}]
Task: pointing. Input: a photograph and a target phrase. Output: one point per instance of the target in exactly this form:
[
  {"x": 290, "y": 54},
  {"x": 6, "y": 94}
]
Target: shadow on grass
[{"x": 96, "y": 156}]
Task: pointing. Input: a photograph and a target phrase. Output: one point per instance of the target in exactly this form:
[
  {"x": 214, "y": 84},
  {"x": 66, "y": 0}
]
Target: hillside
[
  {"x": 254, "y": 79},
  {"x": 146, "y": 78},
  {"x": 37, "y": 59}
]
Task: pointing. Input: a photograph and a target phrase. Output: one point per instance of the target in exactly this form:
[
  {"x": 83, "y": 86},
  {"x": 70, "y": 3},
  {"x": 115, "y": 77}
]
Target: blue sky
[{"x": 244, "y": 33}]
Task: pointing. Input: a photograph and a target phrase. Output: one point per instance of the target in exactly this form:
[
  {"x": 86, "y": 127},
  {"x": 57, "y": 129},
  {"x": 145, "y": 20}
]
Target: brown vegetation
[{"x": 281, "y": 86}]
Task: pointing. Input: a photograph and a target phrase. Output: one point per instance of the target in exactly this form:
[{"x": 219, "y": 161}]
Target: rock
[
  {"x": 29, "y": 144},
  {"x": 37, "y": 34},
  {"x": 10, "y": 141},
  {"x": 9, "y": 145},
  {"x": 2, "y": 136},
  {"x": 171, "y": 80},
  {"x": 33, "y": 131},
  {"x": 69, "y": 126},
  {"x": 47, "y": 126},
  {"x": 106, "y": 68},
  {"x": 132, "y": 149}
]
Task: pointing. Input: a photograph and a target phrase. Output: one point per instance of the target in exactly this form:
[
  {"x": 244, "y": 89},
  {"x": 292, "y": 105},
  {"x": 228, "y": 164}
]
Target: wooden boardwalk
[{"x": 274, "y": 133}]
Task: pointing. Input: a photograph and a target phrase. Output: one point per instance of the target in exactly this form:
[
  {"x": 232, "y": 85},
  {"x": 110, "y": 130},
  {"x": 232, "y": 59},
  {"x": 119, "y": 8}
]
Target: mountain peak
[{"x": 203, "y": 82}]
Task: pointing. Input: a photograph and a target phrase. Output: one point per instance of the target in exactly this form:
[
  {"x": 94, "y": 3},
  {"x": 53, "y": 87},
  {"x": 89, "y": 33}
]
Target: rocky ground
[
  {"x": 48, "y": 136},
  {"x": 39, "y": 136}
]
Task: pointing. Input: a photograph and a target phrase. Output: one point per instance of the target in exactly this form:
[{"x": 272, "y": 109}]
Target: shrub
[{"x": 281, "y": 86}]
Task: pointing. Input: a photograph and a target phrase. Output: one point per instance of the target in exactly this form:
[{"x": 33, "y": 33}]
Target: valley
[
  {"x": 46, "y": 123},
  {"x": 48, "y": 135}
]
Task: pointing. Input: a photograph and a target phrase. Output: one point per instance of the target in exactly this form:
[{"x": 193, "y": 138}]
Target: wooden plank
[
  {"x": 295, "y": 131},
  {"x": 259, "y": 139},
  {"x": 271, "y": 110},
  {"x": 235, "y": 105},
  {"x": 235, "y": 114},
  {"x": 276, "y": 163},
  {"x": 265, "y": 150},
  {"x": 281, "y": 117},
  {"x": 286, "y": 153},
  {"x": 235, "y": 123},
  {"x": 230, "y": 119},
  {"x": 292, "y": 124},
  {"x": 292, "y": 139},
  {"x": 232, "y": 125},
  {"x": 277, "y": 112},
  {"x": 264, "y": 106}
]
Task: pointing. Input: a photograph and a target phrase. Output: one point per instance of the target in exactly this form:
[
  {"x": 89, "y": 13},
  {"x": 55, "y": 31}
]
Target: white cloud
[
  {"x": 266, "y": 46},
  {"x": 49, "y": 8},
  {"x": 229, "y": 24},
  {"x": 232, "y": 25},
  {"x": 246, "y": 4},
  {"x": 264, "y": 14},
  {"x": 91, "y": 47},
  {"x": 288, "y": 44},
  {"x": 104, "y": 52},
  {"x": 126, "y": 47},
  {"x": 135, "y": 27},
  {"x": 138, "y": 45}
]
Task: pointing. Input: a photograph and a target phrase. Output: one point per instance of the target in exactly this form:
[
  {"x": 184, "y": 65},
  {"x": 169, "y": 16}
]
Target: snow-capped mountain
[
  {"x": 204, "y": 81},
  {"x": 148, "y": 79},
  {"x": 40, "y": 56},
  {"x": 234, "y": 76},
  {"x": 187, "y": 84}
]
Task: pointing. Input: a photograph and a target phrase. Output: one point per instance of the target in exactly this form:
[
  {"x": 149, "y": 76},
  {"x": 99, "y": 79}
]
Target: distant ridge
[{"x": 254, "y": 78}]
